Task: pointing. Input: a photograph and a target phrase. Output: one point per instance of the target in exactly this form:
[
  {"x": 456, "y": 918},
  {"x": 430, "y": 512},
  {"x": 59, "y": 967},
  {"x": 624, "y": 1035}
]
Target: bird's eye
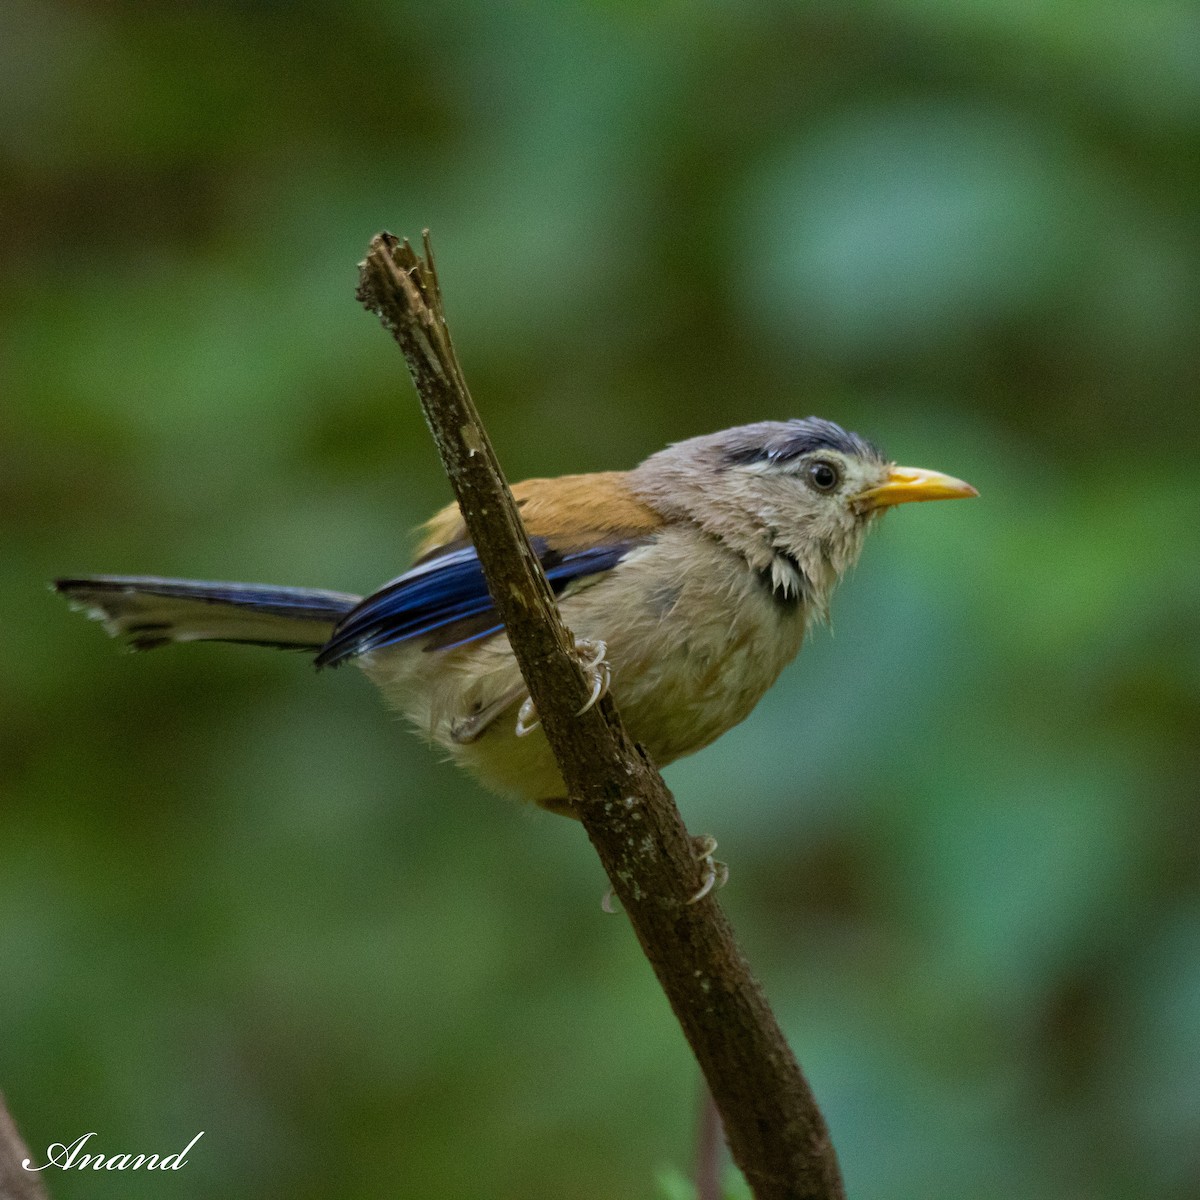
[{"x": 824, "y": 476}]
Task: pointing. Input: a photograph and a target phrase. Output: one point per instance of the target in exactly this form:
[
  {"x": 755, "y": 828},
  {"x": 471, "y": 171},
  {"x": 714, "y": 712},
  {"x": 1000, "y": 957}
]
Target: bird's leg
[
  {"x": 590, "y": 652},
  {"x": 714, "y": 874},
  {"x": 470, "y": 728}
]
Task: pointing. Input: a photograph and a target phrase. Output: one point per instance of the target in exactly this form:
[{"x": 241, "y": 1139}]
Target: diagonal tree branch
[{"x": 774, "y": 1127}]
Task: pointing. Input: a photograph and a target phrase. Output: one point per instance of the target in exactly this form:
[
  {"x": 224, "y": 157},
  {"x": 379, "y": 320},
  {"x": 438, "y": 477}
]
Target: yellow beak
[{"x": 905, "y": 484}]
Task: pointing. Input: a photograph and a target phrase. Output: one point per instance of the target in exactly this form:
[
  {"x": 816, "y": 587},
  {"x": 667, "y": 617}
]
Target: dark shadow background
[{"x": 237, "y": 897}]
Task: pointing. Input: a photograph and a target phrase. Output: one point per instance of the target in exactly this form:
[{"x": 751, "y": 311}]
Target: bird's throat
[{"x": 786, "y": 580}]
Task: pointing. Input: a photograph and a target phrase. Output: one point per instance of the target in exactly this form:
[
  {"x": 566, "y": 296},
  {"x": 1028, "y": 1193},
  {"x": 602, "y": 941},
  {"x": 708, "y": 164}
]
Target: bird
[{"x": 689, "y": 583}]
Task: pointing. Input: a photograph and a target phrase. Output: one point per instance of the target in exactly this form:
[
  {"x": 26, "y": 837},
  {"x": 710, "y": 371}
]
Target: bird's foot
[
  {"x": 590, "y": 652},
  {"x": 714, "y": 874},
  {"x": 527, "y": 718}
]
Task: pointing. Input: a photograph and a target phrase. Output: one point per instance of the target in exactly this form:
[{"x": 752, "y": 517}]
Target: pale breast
[
  {"x": 695, "y": 636},
  {"x": 698, "y": 637}
]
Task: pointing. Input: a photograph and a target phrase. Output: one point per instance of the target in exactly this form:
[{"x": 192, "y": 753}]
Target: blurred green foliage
[{"x": 964, "y": 833}]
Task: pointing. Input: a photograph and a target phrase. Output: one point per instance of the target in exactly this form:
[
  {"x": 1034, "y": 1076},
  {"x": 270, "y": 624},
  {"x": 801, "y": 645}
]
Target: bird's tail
[{"x": 146, "y": 612}]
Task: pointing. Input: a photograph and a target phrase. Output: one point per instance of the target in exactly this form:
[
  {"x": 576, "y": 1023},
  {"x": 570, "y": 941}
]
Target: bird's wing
[{"x": 580, "y": 527}]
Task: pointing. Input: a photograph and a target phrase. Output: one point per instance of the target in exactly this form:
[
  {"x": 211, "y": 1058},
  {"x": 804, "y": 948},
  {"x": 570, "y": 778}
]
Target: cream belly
[{"x": 694, "y": 639}]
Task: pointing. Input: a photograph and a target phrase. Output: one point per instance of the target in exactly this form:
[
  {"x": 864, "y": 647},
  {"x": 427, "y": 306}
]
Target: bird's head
[{"x": 795, "y": 497}]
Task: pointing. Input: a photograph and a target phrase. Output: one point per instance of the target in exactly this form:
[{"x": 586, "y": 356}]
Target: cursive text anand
[{"x": 71, "y": 1157}]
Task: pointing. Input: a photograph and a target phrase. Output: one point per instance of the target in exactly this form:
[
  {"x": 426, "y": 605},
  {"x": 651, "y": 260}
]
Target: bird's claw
[
  {"x": 714, "y": 874},
  {"x": 597, "y": 667},
  {"x": 591, "y": 652},
  {"x": 527, "y": 718}
]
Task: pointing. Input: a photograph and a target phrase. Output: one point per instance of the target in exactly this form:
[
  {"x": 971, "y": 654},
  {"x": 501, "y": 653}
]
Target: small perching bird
[{"x": 688, "y": 582}]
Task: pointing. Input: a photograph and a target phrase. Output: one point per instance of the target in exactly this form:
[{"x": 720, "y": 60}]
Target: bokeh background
[{"x": 964, "y": 833}]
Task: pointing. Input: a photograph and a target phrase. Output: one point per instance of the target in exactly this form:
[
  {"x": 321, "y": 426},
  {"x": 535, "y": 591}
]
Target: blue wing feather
[{"x": 448, "y": 590}]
